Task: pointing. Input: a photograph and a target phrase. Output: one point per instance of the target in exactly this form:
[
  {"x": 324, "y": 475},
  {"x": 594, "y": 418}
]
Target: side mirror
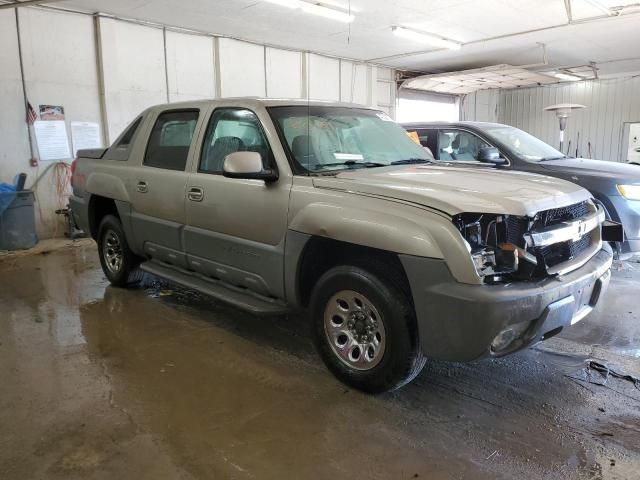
[
  {"x": 247, "y": 165},
  {"x": 490, "y": 155}
]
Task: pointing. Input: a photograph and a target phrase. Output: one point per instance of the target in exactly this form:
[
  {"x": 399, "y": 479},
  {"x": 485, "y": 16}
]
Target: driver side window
[
  {"x": 460, "y": 146},
  {"x": 232, "y": 130}
]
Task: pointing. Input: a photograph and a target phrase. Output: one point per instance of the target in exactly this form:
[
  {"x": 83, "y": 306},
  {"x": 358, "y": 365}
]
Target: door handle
[
  {"x": 142, "y": 187},
  {"x": 196, "y": 194}
]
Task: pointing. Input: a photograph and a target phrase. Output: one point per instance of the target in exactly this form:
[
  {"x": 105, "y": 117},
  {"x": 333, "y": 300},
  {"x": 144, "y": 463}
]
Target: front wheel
[
  {"x": 119, "y": 263},
  {"x": 365, "y": 329}
]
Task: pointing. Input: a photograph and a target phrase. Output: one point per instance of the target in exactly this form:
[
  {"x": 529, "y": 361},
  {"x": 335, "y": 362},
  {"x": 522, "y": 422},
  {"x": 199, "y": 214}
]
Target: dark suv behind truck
[{"x": 615, "y": 185}]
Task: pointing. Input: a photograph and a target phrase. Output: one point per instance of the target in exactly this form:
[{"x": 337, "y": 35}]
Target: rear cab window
[{"x": 171, "y": 139}]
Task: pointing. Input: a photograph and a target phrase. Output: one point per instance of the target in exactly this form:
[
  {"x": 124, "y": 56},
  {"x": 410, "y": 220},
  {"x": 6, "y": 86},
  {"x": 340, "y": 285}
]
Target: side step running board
[{"x": 216, "y": 289}]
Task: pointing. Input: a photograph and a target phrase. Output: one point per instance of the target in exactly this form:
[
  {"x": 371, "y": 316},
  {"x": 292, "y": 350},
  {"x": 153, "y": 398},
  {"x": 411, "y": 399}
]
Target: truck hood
[
  {"x": 594, "y": 168},
  {"x": 457, "y": 190}
]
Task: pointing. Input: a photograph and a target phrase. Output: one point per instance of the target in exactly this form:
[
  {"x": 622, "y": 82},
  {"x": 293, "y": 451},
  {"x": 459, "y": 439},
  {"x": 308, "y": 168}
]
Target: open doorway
[{"x": 420, "y": 106}]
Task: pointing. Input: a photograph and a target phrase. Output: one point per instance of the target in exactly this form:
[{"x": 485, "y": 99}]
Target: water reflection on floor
[{"x": 159, "y": 382}]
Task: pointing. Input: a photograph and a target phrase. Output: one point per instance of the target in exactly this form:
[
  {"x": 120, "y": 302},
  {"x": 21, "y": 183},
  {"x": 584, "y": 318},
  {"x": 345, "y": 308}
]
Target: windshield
[
  {"x": 523, "y": 145},
  {"x": 322, "y": 139}
]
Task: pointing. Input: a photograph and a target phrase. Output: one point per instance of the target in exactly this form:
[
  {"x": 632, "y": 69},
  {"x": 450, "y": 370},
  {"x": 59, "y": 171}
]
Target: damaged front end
[{"x": 508, "y": 248}]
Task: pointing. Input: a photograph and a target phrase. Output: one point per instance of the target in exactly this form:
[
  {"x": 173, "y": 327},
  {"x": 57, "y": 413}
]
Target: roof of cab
[
  {"x": 256, "y": 102},
  {"x": 478, "y": 125}
]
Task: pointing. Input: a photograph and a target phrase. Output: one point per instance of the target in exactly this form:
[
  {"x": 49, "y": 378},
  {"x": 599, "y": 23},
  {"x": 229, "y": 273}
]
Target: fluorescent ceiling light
[
  {"x": 316, "y": 9},
  {"x": 322, "y": 11},
  {"x": 600, "y": 6},
  {"x": 566, "y": 76},
  {"x": 426, "y": 38},
  {"x": 286, "y": 3}
]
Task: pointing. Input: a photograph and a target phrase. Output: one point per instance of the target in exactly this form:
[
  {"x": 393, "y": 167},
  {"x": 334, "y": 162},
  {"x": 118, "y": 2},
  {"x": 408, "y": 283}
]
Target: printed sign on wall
[
  {"x": 85, "y": 135},
  {"x": 52, "y": 139}
]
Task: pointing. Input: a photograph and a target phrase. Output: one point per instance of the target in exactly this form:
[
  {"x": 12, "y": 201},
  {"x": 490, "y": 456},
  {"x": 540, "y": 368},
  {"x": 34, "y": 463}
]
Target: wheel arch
[
  {"x": 308, "y": 257},
  {"x": 98, "y": 208}
]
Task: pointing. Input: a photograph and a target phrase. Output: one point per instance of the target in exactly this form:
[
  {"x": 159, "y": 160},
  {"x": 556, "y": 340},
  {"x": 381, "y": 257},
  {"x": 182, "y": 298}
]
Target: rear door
[
  {"x": 157, "y": 188},
  {"x": 236, "y": 228}
]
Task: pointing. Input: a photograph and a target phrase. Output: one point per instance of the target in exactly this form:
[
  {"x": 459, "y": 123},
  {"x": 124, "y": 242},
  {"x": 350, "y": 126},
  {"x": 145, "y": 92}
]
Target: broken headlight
[{"x": 496, "y": 245}]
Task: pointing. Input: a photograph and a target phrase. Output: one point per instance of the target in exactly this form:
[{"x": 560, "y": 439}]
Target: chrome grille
[
  {"x": 562, "y": 252},
  {"x": 558, "y": 215}
]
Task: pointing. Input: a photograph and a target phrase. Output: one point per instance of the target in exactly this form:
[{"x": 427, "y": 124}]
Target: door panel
[
  {"x": 236, "y": 228},
  {"x": 236, "y": 232},
  {"x": 157, "y": 188}
]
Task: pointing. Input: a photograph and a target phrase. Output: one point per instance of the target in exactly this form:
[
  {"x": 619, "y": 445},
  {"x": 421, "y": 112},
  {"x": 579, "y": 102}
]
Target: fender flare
[{"x": 108, "y": 186}]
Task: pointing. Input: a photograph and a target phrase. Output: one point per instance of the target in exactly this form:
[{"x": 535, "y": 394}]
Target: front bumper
[{"x": 458, "y": 322}]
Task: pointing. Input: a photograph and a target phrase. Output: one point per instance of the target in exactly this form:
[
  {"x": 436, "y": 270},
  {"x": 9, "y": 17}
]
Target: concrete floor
[{"x": 161, "y": 383}]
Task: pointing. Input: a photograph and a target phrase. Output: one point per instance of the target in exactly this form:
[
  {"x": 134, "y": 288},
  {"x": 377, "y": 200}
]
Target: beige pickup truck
[{"x": 274, "y": 206}]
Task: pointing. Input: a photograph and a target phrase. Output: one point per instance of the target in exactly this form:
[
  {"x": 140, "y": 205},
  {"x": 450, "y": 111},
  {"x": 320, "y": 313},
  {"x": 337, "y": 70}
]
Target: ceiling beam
[{"x": 25, "y": 3}]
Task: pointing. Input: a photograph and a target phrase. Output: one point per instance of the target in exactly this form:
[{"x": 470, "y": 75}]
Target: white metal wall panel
[
  {"x": 242, "y": 69},
  {"x": 60, "y": 52},
  {"x": 59, "y": 58},
  {"x": 386, "y": 90},
  {"x": 14, "y": 143},
  {"x": 134, "y": 71},
  {"x": 610, "y": 104},
  {"x": 354, "y": 78},
  {"x": 480, "y": 106},
  {"x": 190, "y": 67},
  {"x": 324, "y": 78},
  {"x": 384, "y": 94},
  {"x": 284, "y": 73}
]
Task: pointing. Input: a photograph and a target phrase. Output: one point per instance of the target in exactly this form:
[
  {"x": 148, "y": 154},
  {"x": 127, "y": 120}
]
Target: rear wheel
[
  {"x": 119, "y": 263},
  {"x": 365, "y": 329}
]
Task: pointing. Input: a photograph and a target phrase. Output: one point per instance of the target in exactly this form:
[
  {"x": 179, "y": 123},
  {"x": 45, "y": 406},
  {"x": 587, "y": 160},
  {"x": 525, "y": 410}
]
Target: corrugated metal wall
[{"x": 610, "y": 103}]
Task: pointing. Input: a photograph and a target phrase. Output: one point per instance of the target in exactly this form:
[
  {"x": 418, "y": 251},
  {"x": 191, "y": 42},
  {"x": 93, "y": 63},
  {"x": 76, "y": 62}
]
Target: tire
[
  {"x": 359, "y": 297},
  {"x": 119, "y": 263}
]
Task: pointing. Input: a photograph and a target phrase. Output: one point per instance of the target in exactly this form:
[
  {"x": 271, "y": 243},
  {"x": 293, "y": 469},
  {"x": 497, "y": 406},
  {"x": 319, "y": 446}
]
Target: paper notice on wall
[
  {"x": 52, "y": 139},
  {"x": 85, "y": 135}
]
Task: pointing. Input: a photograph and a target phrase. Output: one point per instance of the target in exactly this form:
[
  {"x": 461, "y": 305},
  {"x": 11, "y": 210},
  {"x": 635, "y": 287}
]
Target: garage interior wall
[
  {"x": 107, "y": 70},
  {"x": 610, "y": 104}
]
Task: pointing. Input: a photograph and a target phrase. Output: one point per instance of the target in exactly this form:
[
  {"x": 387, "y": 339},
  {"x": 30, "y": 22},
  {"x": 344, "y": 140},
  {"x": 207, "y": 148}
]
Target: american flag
[{"x": 32, "y": 116}]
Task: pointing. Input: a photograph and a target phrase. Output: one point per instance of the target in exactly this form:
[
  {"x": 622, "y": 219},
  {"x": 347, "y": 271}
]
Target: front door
[{"x": 236, "y": 228}]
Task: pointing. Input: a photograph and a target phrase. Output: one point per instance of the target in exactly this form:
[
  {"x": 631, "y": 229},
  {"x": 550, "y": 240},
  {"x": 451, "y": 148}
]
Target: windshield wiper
[
  {"x": 548, "y": 159},
  {"x": 350, "y": 163},
  {"x": 411, "y": 161}
]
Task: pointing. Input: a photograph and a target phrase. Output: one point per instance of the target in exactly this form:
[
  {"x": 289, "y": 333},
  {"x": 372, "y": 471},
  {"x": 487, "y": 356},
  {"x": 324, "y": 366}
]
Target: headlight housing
[
  {"x": 630, "y": 192},
  {"x": 490, "y": 243}
]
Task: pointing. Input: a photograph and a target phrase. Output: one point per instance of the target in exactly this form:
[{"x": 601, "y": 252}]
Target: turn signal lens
[{"x": 630, "y": 192}]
